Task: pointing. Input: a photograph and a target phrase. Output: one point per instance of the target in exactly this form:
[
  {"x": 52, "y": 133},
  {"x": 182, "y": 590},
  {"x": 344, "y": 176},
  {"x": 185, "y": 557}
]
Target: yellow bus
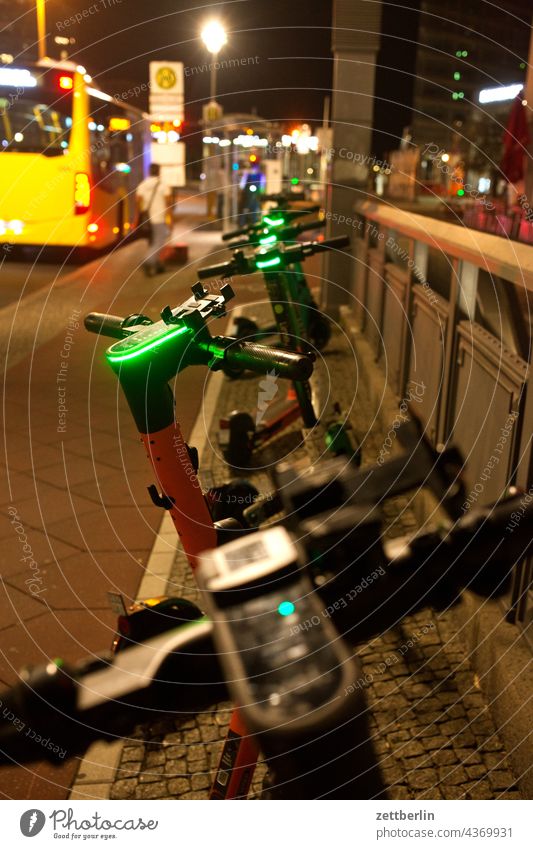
[{"x": 71, "y": 157}]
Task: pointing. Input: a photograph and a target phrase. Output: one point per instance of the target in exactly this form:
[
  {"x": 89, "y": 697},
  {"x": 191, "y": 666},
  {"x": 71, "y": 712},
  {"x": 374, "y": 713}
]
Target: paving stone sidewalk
[{"x": 431, "y": 725}]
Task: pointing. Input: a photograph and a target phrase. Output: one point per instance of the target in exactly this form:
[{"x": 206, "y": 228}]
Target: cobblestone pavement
[{"x": 431, "y": 727}]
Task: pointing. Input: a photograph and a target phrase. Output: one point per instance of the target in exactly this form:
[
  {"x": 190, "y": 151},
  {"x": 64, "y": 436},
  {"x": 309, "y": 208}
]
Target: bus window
[
  {"x": 138, "y": 136},
  {"x": 30, "y": 126},
  {"x": 99, "y": 143},
  {"x": 119, "y": 148}
]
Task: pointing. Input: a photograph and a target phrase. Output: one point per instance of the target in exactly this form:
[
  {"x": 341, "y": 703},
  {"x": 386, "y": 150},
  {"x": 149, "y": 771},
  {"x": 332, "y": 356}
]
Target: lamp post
[
  {"x": 214, "y": 37},
  {"x": 41, "y": 28}
]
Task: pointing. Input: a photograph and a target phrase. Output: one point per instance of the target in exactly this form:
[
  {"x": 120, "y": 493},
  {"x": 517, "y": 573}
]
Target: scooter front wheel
[
  {"x": 319, "y": 331},
  {"x": 239, "y": 448},
  {"x": 231, "y": 499}
]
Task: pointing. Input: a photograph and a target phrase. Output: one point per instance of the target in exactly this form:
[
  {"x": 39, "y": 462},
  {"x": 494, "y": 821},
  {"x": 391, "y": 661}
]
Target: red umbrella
[{"x": 515, "y": 142}]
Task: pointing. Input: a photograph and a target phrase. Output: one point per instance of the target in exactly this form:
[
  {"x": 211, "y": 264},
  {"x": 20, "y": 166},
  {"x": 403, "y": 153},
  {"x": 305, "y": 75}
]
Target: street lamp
[
  {"x": 214, "y": 37},
  {"x": 41, "y": 28}
]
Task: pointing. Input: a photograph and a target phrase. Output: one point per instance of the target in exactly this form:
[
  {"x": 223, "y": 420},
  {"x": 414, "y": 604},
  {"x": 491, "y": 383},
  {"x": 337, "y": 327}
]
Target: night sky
[
  {"x": 289, "y": 80},
  {"x": 292, "y": 41},
  {"x": 290, "y": 38}
]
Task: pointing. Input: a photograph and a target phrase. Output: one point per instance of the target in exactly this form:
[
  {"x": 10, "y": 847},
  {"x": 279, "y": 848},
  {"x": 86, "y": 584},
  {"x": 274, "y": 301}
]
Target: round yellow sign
[{"x": 165, "y": 78}]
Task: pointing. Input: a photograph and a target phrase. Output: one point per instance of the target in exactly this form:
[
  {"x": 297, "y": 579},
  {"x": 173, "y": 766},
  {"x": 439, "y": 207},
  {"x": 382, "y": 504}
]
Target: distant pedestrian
[
  {"x": 153, "y": 206},
  {"x": 215, "y": 181},
  {"x": 252, "y": 185}
]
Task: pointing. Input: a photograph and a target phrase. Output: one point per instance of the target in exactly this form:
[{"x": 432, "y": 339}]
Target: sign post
[
  {"x": 166, "y": 105},
  {"x": 166, "y": 91},
  {"x": 211, "y": 113}
]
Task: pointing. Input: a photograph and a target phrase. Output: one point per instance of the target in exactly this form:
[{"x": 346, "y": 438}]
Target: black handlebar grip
[
  {"x": 234, "y": 234},
  {"x": 310, "y": 225},
  {"x": 264, "y": 358},
  {"x": 334, "y": 242},
  {"x": 238, "y": 245},
  {"x": 224, "y": 269},
  {"x": 106, "y": 325},
  {"x": 274, "y": 197}
]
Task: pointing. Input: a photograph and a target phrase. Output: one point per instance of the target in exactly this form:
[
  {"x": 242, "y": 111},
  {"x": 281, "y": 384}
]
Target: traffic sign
[
  {"x": 166, "y": 91},
  {"x": 212, "y": 112}
]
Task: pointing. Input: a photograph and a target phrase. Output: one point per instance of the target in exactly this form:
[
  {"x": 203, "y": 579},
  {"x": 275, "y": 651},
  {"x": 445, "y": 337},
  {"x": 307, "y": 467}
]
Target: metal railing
[{"x": 447, "y": 307}]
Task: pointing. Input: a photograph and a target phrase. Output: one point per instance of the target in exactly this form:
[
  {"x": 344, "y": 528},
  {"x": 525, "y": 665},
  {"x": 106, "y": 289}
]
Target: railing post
[
  {"x": 355, "y": 44},
  {"x": 449, "y": 352},
  {"x": 468, "y": 277}
]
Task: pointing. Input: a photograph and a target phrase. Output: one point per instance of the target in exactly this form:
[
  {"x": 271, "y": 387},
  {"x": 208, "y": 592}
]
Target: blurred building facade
[
  {"x": 462, "y": 49},
  {"x": 18, "y": 29}
]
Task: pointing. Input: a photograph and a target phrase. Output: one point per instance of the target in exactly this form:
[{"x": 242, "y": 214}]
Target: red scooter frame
[{"x": 146, "y": 357}]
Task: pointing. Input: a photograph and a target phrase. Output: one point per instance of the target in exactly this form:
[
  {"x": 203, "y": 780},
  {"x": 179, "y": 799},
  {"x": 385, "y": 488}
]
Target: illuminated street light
[{"x": 214, "y": 37}]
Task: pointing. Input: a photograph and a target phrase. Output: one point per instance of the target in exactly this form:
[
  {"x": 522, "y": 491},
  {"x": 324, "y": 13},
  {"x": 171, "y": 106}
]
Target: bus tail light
[
  {"x": 82, "y": 193},
  {"x": 66, "y": 82}
]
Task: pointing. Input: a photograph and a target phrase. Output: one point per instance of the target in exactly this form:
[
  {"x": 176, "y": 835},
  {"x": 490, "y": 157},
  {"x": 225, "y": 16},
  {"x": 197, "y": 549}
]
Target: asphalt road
[
  {"x": 79, "y": 494},
  {"x": 25, "y": 274},
  {"x": 79, "y": 491}
]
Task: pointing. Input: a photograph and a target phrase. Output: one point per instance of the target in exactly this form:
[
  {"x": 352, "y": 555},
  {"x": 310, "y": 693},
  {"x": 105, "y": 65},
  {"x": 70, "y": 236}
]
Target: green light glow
[
  {"x": 295, "y": 181},
  {"x": 461, "y": 192},
  {"x": 286, "y": 608},
  {"x": 268, "y": 240},
  {"x": 268, "y": 263},
  {"x": 274, "y": 222},
  {"x": 464, "y": 53},
  {"x": 457, "y": 75},
  {"x": 142, "y": 349}
]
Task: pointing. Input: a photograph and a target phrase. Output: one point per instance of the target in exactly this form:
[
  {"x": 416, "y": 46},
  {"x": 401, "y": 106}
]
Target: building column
[
  {"x": 355, "y": 43},
  {"x": 528, "y": 95}
]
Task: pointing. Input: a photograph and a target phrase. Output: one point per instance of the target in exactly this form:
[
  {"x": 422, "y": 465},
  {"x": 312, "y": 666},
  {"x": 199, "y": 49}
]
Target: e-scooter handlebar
[
  {"x": 278, "y": 197},
  {"x": 203, "y": 348},
  {"x": 285, "y": 234},
  {"x": 234, "y": 234},
  {"x": 315, "y": 224},
  {"x": 283, "y": 198},
  {"x": 335, "y": 243},
  {"x": 66, "y": 708},
  {"x": 287, "y": 215},
  {"x": 179, "y": 668},
  {"x": 114, "y": 326},
  {"x": 106, "y": 325},
  {"x": 264, "y": 358},
  {"x": 263, "y": 258},
  {"x": 223, "y": 269}
]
